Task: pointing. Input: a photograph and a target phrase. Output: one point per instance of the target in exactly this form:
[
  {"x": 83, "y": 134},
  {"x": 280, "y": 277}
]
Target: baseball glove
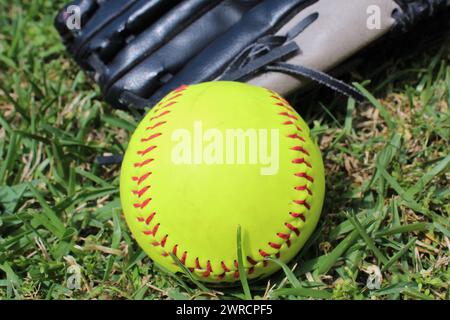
[{"x": 139, "y": 50}]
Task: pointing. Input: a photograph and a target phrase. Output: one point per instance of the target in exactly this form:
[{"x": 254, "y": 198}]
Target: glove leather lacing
[{"x": 264, "y": 56}]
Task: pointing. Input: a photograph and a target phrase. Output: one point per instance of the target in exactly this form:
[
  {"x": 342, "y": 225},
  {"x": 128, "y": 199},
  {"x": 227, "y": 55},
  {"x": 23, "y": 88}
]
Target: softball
[{"x": 211, "y": 157}]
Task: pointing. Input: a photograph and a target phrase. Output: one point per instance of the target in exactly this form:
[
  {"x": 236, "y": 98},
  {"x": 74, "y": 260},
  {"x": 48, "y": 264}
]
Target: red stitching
[
  {"x": 164, "y": 240},
  {"x": 150, "y": 218},
  {"x": 292, "y": 228},
  {"x": 284, "y": 236},
  {"x": 143, "y": 204},
  {"x": 263, "y": 253},
  {"x": 277, "y": 97},
  {"x": 160, "y": 115},
  {"x": 153, "y": 231},
  {"x": 251, "y": 261},
  {"x": 296, "y": 136},
  {"x": 302, "y": 161},
  {"x": 167, "y": 103},
  {"x": 208, "y": 270},
  {"x": 224, "y": 266},
  {"x": 300, "y": 149},
  {"x": 288, "y": 123},
  {"x": 181, "y": 88},
  {"x": 304, "y": 175},
  {"x": 287, "y": 107},
  {"x": 153, "y": 136},
  {"x": 287, "y": 114},
  {"x": 282, "y": 104},
  {"x": 156, "y": 125},
  {"x": 298, "y": 215},
  {"x": 175, "y": 97},
  {"x": 144, "y": 163},
  {"x": 236, "y": 266},
  {"x": 141, "y": 192},
  {"x": 165, "y": 106},
  {"x": 275, "y": 245},
  {"x": 142, "y": 178},
  {"x": 183, "y": 256},
  {"x": 304, "y": 188},
  {"x": 144, "y": 152},
  {"x": 303, "y": 203}
]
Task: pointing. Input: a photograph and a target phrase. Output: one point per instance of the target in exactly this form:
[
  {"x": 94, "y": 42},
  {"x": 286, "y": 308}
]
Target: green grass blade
[
  {"x": 188, "y": 273},
  {"x": 302, "y": 292},
  {"x": 13, "y": 282},
  {"x": 242, "y": 271},
  {"x": 419, "y": 226},
  {"x": 328, "y": 261},
  {"x": 56, "y": 224},
  {"x": 288, "y": 272},
  {"x": 427, "y": 177},
  {"x": 370, "y": 243},
  {"x": 10, "y": 155},
  {"x": 349, "y": 116},
  {"x": 416, "y": 294},
  {"x": 409, "y": 201},
  {"x": 398, "y": 255},
  {"x": 374, "y": 101},
  {"x": 117, "y": 235}
]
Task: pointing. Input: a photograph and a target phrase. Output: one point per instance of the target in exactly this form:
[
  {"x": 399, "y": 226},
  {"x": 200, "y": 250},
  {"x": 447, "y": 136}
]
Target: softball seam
[{"x": 151, "y": 230}]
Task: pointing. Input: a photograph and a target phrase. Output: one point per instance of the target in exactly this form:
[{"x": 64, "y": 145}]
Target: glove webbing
[{"x": 267, "y": 51}]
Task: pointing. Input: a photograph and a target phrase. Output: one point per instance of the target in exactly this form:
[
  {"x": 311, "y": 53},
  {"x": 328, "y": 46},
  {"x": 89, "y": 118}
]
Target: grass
[{"x": 384, "y": 233}]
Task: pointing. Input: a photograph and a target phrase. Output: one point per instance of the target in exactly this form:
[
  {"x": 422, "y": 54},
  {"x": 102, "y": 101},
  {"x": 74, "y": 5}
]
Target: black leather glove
[{"x": 139, "y": 50}]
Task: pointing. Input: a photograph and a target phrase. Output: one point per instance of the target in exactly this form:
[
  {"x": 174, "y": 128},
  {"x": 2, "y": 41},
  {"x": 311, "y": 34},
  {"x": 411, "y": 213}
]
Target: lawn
[{"x": 385, "y": 228}]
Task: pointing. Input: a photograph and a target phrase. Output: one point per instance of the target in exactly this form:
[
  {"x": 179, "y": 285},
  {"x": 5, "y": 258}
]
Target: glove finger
[
  {"x": 149, "y": 69},
  {"x": 264, "y": 19},
  {"x": 107, "y": 12},
  {"x": 85, "y": 8},
  {"x": 113, "y": 35},
  {"x": 155, "y": 36}
]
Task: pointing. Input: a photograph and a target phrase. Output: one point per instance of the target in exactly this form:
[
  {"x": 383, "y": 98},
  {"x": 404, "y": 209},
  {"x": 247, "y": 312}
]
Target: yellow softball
[{"x": 211, "y": 157}]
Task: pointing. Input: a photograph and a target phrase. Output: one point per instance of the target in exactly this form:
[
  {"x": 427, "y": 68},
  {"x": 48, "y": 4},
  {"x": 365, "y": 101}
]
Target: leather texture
[
  {"x": 340, "y": 31},
  {"x": 412, "y": 12},
  {"x": 263, "y": 19},
  {"x": 139, "y": 50},
  {"x": 150, "y": 61}
]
